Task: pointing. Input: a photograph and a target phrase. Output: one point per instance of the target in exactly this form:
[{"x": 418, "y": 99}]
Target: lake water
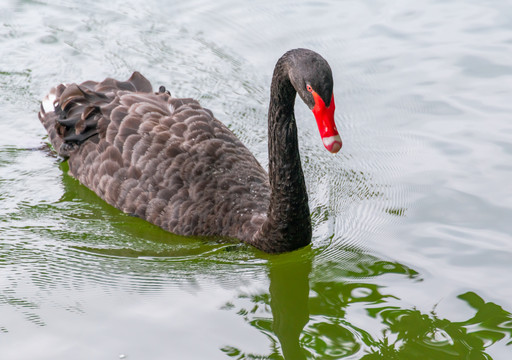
[{"x": 412, "y": 247}]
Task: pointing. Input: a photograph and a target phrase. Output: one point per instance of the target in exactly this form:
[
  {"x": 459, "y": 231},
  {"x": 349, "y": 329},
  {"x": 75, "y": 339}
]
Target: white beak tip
[{"x": 332, "y": 143}]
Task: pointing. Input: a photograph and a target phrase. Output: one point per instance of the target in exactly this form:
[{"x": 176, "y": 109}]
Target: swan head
[{"x": 311, "y": 76}]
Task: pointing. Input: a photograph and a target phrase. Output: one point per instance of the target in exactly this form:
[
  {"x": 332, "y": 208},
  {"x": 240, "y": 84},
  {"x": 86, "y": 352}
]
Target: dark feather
[
  {"x": 139, "y": 131},
  {"x": 169, "y": 161}
]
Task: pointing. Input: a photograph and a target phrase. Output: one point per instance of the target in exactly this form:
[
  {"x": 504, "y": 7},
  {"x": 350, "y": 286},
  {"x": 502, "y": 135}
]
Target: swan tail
[
  {"x": 48, "y": 118},
  {"x": 73, "y": 114}
]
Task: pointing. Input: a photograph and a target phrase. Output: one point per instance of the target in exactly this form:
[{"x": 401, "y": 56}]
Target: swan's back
[{"x": 163, "y": 159}]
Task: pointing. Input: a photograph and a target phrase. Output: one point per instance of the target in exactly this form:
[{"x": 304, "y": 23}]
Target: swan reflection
[{"x": 307, "y": 317}]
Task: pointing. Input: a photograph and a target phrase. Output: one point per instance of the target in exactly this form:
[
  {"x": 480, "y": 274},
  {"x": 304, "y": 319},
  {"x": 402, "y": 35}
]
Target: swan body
[{"x": 170, "y": 161}]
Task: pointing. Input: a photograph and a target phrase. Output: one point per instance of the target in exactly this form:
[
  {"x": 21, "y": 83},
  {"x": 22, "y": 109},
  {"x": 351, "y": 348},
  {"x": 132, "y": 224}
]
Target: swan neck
[{"x": 288, "y": 224}]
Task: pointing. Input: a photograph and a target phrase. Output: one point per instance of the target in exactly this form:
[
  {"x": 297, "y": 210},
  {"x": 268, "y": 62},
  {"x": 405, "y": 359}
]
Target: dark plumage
[{"x": 169, "y": 161}]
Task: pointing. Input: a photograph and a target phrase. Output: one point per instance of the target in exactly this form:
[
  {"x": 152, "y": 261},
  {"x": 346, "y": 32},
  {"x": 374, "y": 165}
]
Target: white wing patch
[{"x": 48, "y": 102}]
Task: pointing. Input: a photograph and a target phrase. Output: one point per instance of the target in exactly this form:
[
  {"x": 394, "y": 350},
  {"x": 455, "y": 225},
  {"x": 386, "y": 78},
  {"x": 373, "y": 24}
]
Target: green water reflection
[
  {"x": 307, "y": 319},
  {"x": 305, "y": 314},
  {"x": 313, "y": 308}
]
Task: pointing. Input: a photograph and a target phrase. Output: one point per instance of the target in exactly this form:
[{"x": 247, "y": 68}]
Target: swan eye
[{"x": 309, "y": 88}]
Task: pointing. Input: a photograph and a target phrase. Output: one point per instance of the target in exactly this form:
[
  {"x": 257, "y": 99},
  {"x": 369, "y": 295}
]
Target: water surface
[{"x": 412, "y": 249}]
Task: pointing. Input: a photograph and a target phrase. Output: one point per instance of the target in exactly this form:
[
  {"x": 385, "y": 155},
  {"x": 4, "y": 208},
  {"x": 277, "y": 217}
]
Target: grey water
[{"x": 412, "y": 220}]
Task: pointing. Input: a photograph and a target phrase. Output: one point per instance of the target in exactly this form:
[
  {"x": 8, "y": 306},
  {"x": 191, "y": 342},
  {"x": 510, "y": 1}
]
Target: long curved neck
[{"x": 288, "y": 223}]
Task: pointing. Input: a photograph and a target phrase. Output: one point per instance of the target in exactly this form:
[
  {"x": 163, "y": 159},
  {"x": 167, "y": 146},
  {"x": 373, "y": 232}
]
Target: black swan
[{"x": 170, "y": 162}]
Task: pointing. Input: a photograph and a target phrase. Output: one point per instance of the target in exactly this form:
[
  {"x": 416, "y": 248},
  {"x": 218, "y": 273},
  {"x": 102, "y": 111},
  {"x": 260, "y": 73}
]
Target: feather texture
[
  {"x": 163, "y": 159},
  {"x": 169, "y": 161}
]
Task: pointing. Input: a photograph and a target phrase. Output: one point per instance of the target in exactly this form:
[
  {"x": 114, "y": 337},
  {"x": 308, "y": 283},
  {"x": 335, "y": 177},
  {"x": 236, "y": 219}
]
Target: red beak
[{"x": 325, "y": 120}]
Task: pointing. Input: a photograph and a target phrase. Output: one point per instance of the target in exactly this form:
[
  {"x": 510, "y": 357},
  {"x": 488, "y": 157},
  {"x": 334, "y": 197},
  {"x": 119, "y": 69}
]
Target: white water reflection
[{"x": 420, "y": 191}]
